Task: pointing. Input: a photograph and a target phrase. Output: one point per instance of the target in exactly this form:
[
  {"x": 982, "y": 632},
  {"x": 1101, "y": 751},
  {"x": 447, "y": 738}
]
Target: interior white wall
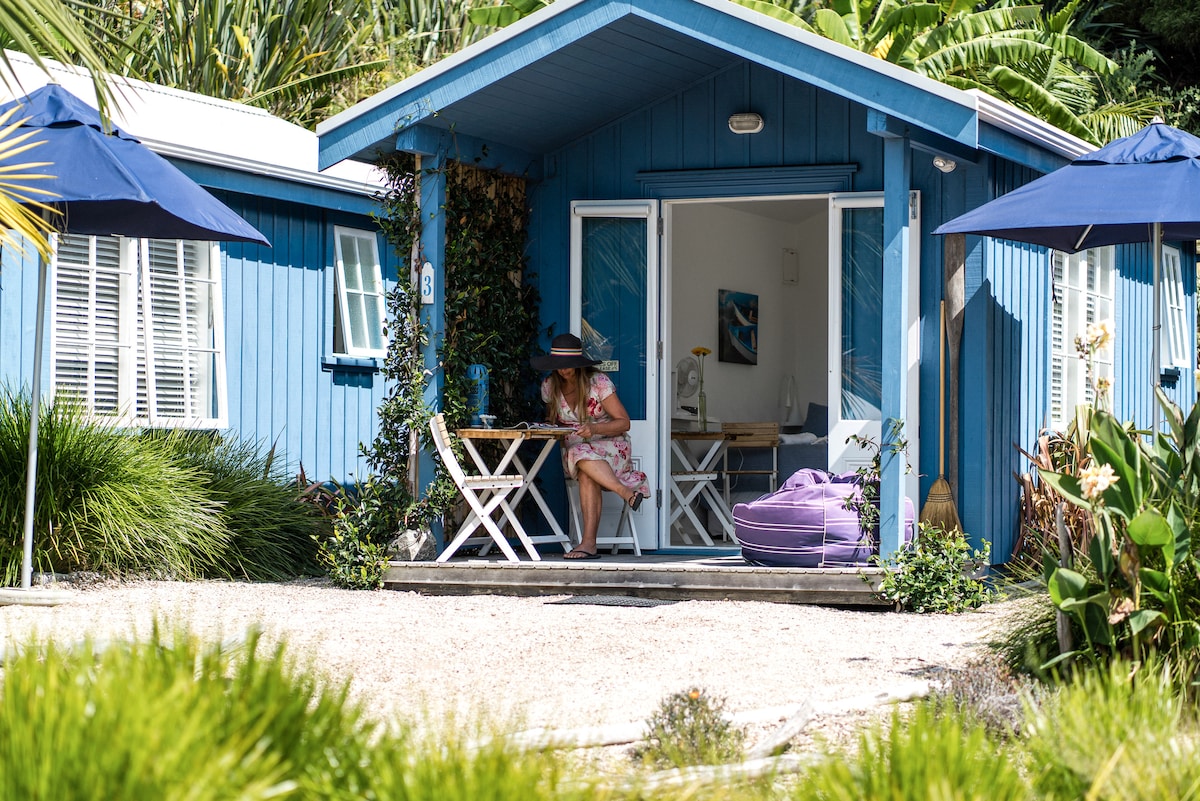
[{"x": 739, "y": 246}]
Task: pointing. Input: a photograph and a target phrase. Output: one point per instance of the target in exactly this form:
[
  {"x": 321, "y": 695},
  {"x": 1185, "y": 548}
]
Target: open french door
[
  {"x": 856, "y": 330},
  {"x": 614, "y": 310}
]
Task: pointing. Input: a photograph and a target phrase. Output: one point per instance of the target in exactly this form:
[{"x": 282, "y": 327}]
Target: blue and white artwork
[{"x": 737, "y": 318}]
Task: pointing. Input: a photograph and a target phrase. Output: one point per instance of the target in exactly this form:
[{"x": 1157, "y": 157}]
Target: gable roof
[{"x": 579, "y": 64}]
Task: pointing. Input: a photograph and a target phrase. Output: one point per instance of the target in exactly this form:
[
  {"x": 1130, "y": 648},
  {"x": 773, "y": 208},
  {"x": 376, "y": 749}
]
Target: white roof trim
[{"x": 1021, "y": 123}]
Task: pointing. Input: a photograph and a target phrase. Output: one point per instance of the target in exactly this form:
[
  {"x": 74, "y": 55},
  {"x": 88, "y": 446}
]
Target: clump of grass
[
  {"x": 690, "y": 728},
  {"x": 205, "y": 722},
  {"x": 106, "y": 501},
  {"x": 208, "y": 722},
  {"x": 272, "y": 528},
  {"x": 1125, "y": 732},
  {"x": 932, "y": 753}
]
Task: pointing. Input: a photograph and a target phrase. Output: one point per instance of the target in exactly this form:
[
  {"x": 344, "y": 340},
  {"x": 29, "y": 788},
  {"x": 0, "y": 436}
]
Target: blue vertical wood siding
[
  {"x": 278, "y": 331},
  {"x": 279, "y": 303}
]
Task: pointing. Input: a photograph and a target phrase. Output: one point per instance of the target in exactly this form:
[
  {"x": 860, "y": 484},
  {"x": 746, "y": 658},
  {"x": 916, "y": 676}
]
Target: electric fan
[{"x": 687, "y": 383}]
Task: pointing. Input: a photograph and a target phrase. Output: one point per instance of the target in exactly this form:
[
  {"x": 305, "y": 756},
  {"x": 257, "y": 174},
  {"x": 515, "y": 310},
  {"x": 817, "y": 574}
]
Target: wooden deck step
[{"x": 664, "y": 576}]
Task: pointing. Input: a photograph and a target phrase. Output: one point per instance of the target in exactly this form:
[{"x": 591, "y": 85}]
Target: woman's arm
[{"x": 618, "y": 424}]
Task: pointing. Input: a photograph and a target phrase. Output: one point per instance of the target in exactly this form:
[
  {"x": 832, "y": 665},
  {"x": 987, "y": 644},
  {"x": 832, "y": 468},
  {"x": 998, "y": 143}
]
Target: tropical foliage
[
  {"x": 1137, "y": 588},
  {"x": 40, "y": 29}
]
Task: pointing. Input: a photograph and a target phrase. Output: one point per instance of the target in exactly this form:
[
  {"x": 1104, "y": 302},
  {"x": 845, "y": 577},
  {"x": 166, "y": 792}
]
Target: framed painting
[{"x": 737, "y": 318}]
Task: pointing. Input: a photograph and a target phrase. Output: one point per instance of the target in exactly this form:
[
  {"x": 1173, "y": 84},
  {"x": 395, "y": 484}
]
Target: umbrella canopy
[
  {"x": 1110, "y": 197},
  {"x": 1142, "y": 188},
  {"x": 105, "y": 183},
  {"x": 110, "y": 183}
]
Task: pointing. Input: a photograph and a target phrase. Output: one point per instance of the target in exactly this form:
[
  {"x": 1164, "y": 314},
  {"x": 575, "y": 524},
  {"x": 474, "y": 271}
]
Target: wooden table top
[
  {"x": 514, "y": 433},
  {"x": 708, "y": 436}
]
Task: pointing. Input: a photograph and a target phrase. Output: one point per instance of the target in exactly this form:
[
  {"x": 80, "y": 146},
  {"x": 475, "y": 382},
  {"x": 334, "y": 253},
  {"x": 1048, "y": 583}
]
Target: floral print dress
[{"x": 617, "y": 451}]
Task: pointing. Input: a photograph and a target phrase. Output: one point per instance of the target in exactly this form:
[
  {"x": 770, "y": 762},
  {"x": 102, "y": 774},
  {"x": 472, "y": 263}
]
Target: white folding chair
[
  {"x": 484, "y": 495},
  {"x": 616, "y": 539}
]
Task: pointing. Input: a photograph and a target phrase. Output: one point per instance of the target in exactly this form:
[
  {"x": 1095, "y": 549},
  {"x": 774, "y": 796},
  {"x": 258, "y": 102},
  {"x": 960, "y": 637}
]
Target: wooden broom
[{"x": 939, "y": 503}]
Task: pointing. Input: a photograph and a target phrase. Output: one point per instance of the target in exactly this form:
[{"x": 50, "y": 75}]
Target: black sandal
[{"x": 635, "y": 502}]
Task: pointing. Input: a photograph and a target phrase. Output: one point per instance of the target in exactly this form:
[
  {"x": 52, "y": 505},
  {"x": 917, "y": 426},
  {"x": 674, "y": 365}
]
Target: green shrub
[
  {"x": 352, "y": 552},
  {"x": 106, "y": 500},
  {"x": 271, "y": 525},
  {"x": 931, "y": 754},
  {"x": 690, "y": 728},
  {"x": 932, "y": 575}
]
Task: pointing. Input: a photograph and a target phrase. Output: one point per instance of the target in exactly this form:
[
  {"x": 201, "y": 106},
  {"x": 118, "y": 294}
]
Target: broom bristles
[{"x": 939, "y": 507}]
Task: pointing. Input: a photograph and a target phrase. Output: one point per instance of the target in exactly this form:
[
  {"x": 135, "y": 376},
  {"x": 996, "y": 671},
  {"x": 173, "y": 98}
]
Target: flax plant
[
  {"x": 271, "y": 526},
  {"x": 106, "y": 501}
]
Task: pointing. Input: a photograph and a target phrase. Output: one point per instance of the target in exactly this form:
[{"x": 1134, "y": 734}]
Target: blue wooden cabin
[
  {"x": 247, "y": 339},
  {"x": 680, "y": 150}
]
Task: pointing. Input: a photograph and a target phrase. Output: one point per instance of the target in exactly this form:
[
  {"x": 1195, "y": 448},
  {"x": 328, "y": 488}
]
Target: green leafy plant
[
  {"x": 865, "y": 502},
  {"x": 1137, "y": 586},
  {"x": 933, "y": 573},
  {"x": 352, "y": 552},
  {"x": 491, "y": 319},
  {"x": 690, "y": 728}
]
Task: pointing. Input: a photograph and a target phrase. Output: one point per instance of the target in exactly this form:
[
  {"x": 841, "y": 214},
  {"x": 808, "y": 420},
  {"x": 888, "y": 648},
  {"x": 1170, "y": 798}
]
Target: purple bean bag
[{"x": 805, "y": 523}]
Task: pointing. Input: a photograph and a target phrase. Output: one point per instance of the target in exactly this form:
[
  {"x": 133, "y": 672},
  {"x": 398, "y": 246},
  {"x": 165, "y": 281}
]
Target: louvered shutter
[
  {"x": 180, "y": 280},
  {"x": 91, "y": 330}
]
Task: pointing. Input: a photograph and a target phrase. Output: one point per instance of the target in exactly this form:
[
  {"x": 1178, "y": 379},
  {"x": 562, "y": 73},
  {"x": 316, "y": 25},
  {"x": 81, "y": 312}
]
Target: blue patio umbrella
[
  {"x": 1142, "y": 188},
  {"x": 105, "y": 182}
]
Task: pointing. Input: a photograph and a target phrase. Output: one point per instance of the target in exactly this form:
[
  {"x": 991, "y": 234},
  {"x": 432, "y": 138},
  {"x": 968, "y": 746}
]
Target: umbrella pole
[
  {"x": 1156, "y": 344},
  {"x": 34, "y": 415}
]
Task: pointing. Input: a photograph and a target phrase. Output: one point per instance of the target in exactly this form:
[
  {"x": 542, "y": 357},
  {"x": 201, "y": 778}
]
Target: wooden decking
[{"x": 661, "y": 576}]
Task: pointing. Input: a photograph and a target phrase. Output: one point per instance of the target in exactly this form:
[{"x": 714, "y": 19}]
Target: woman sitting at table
[{"x": 597, "y": 453}]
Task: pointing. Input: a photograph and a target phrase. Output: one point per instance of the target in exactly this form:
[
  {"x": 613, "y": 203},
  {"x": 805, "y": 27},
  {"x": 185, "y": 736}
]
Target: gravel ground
[{"x": 532, "y": 662}]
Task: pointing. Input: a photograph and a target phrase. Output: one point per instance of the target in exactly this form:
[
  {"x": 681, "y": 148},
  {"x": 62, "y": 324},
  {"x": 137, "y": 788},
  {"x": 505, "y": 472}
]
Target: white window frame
[
  {"x": 1176, "y": 332},
  {"x": 359, "y": 296},
  {"x": 137, "y": 330},
  {"x": 1084, "y": 293}
]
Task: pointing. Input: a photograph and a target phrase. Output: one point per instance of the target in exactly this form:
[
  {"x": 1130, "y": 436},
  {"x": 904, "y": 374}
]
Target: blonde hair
[{"x": 583, "y": 383}]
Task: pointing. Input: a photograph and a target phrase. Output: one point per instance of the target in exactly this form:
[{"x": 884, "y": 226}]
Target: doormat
[{"x": 612, "y": 600}]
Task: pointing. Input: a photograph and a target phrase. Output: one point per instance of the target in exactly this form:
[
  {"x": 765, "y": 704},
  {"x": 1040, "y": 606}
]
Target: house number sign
[{"x": 426, "y": 283}]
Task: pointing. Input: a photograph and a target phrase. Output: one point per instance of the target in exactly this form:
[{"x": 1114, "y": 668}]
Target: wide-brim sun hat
[{"x": 566, "y": 351}]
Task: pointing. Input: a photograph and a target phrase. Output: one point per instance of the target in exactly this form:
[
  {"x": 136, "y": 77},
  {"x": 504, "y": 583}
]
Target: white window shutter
[{"x": 137, "y": 330}]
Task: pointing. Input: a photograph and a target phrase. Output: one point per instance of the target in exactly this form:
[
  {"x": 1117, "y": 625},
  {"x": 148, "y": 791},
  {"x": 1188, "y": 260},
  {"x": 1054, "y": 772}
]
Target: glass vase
[{"x": 702, "y": 411}]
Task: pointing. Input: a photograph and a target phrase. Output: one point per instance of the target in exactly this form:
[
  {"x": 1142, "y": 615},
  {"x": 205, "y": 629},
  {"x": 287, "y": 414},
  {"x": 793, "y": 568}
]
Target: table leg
[{"x": 530, "y": 487}]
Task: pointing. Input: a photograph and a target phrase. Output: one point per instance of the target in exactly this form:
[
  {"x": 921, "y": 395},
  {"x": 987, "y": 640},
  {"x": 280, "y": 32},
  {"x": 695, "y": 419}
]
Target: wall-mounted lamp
[
  {"x": 745, "y": 123},
  {"x": 944, "y": 164}
]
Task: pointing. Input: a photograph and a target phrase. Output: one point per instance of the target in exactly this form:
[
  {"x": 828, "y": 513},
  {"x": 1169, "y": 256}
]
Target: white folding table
[
  {"x": 696, "y": 480},
  {"x": 515, "y": 437}
]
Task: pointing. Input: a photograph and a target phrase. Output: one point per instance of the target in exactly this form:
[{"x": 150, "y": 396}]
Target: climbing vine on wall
[{"x": 491, "y": 315}]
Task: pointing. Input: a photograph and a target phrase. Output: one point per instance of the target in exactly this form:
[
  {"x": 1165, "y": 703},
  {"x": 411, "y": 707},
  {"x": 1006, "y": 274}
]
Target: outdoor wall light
[
  {"x": 745, "y": 123},
  {"x": 944, "y": 164}
]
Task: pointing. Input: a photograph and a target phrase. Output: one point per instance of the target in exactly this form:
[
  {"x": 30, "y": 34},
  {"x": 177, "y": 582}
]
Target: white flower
[
  {"x": 1095, "y": 479},
  {"x": 1099, "y": 335}
]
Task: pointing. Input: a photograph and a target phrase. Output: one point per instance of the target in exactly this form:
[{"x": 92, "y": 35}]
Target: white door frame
[
  {"x": 644, "y": 434},
  {"x": 842, "y": 456}
]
